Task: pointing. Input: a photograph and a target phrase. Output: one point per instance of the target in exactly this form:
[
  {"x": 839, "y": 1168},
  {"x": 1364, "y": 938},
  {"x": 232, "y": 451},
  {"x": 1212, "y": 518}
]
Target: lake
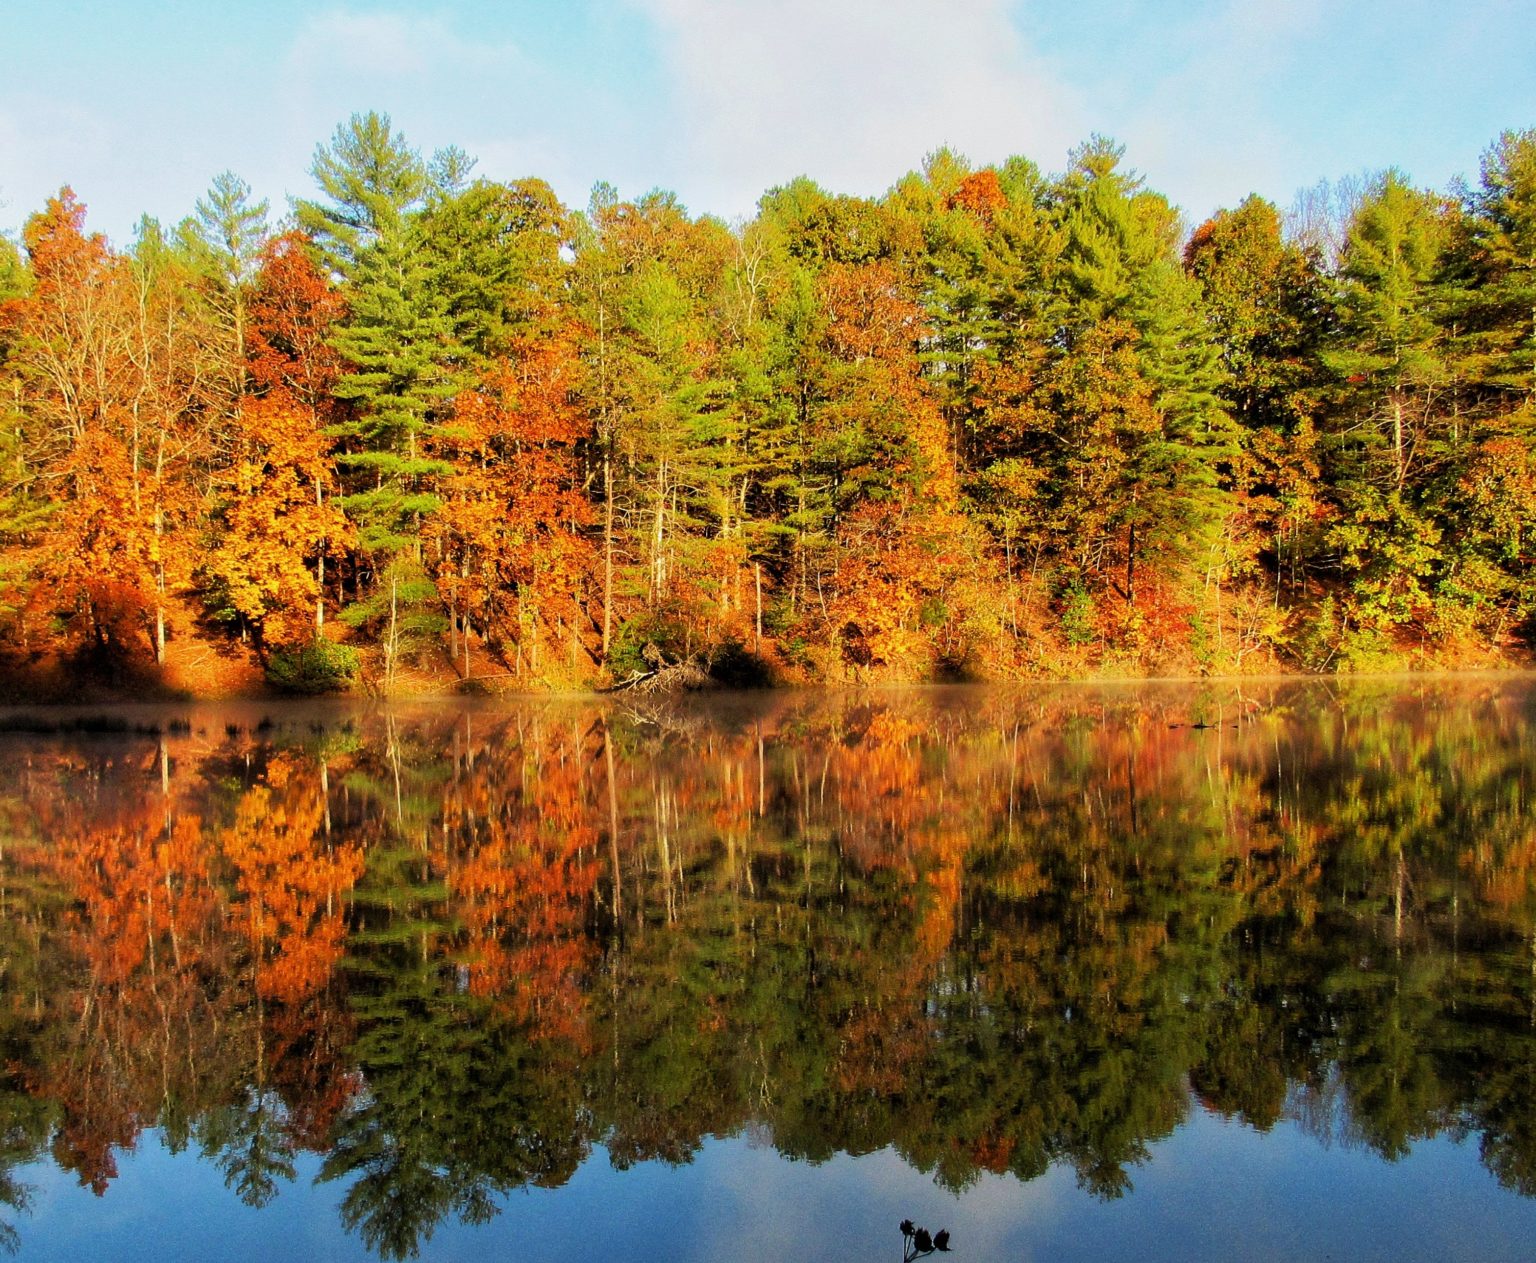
[{"x": 1140, "y": 972}]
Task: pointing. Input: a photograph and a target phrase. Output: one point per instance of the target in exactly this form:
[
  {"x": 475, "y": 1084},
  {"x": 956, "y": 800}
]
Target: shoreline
[{"x": 117, "y": 714}]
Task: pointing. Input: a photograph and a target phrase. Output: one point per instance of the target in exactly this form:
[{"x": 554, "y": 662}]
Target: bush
[
  {"x": 1077, "y": 614},
  {"x": 628, "y": 654},
  {"x": 322, "y": 666}
]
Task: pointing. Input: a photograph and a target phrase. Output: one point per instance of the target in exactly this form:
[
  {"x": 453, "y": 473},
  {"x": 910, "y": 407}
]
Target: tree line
[{"x": 992, "y": 424}]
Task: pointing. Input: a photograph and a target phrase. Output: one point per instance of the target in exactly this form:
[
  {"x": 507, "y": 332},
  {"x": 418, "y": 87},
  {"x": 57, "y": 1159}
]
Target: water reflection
[{"x": 452, "y": 950}]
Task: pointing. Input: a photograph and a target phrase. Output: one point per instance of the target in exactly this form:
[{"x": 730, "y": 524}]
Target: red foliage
[
  {"x": 980, "y": 194},
  {"x": 293, "y": 310}
]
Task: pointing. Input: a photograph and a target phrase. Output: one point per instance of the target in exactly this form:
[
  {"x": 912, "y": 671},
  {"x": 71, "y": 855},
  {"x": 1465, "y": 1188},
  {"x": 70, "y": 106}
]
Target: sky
[{"x": 138, "y": 104}]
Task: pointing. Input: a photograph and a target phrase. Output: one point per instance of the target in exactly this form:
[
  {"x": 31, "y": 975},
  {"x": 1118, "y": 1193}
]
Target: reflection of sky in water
[
  {"x": 1214, "y": 1190},
  {"x": 1349, "y": 903}
]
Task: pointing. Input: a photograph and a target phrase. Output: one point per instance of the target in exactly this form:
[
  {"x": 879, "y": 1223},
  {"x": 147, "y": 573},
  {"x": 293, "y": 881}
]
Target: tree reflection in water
[{"x": 454, "y": 950}]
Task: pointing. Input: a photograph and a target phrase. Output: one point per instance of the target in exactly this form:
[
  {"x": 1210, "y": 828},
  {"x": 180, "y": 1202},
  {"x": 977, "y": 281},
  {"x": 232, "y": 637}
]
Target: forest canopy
[{"x": 430, "y": 426}]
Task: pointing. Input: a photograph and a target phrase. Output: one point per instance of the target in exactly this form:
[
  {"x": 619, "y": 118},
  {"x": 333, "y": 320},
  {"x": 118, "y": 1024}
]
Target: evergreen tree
[
  {"x": 1115, "y": 232},
  {"x": 1505, "y": 229},
  {"x": 224, "y": 240},
  {"x": 1265, "y": 301},
  {"x": 230, "y": 227},
  {"x": 373, "y": 180},
  {"x": 1396, "y": 428},
  {"x": 406, "y": 362},
  {"x": 1187, "y": 503},
  {"x": 495, "y": 251},
  {"x": 1390, "y": 341},
  {"x": 398, "y": 335}
]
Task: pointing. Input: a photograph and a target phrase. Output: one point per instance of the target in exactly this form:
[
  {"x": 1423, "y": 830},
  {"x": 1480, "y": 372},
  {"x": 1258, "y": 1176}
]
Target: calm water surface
[{"x": 1074, "y": 973}]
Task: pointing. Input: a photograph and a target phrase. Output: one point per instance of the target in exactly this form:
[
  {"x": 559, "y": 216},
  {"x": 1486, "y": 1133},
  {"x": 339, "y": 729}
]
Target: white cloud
[
  {"x": 1241, "y": 97},
  {"x": 433, "y": 82},
  {"x": 1203, "y": 127},
  {"x": 851, "y": 93},
  {"x": 46, "y": 143},
  {"x": 515, "y": 114},
  {"x": 722, "y": 99},
  {"x": 390, "y": 45}
]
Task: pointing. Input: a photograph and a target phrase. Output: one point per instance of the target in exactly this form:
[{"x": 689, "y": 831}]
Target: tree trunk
[
  {"x": 1130, "y": 565},
  {"x": 607, "y": 552},
  {"x": 392, "y": 637},
  {"x": 1399, "y": 467},
  {"x": 319, "y": 565},
  {"x": 659, "y": 535}
]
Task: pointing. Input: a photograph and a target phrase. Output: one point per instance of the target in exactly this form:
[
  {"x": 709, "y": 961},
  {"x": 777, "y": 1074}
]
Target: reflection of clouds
[
  {"x": 1005, "y": 1219},
  {"x": 1321, "y": 1111},
  {"x": 849, "y": 1208},
  {"x": 1213, "y": 1192},
  {"x": 1284, "y": 1197},
  {"x": 173, "y": 1207}
]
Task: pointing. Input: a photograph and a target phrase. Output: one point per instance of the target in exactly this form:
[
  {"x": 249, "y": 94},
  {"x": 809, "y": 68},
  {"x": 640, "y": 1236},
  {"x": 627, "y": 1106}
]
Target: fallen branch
[{"x": 672, "y": 677}]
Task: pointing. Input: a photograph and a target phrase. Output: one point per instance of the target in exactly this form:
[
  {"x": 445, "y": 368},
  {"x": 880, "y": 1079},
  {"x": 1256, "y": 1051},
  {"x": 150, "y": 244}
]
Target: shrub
[
  {"x": 1077, "y": 614},
  {"x": 322, "y": 666}
]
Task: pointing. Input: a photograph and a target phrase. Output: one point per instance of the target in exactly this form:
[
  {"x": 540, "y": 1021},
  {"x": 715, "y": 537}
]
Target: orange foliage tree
[
  {"x": 279, "y": 520},
  {"x": 109, "y": 360},
  {"x": 513, "y": 558},
  {"x": 294, "y": 308},
  {"x": 903, "y": 547}
]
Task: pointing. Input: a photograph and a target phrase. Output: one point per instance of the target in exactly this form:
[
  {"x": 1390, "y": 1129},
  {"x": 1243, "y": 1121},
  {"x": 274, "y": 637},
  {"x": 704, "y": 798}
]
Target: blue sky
[{"x": 137, "y": 104}]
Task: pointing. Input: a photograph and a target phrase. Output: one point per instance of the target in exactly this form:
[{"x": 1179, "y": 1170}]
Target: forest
[{"x": 429, "y": 430}]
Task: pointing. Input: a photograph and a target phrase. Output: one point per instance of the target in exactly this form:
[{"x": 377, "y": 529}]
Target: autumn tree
[
  {"x": 174, "y": 421},
  {"x": 278, "y": 520},
  {"x": 896, "y": 596},
  {"x": 509, "y": 541},
  {"x": 112, "y": 374},
  {"x": 293, "y": 311}
]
